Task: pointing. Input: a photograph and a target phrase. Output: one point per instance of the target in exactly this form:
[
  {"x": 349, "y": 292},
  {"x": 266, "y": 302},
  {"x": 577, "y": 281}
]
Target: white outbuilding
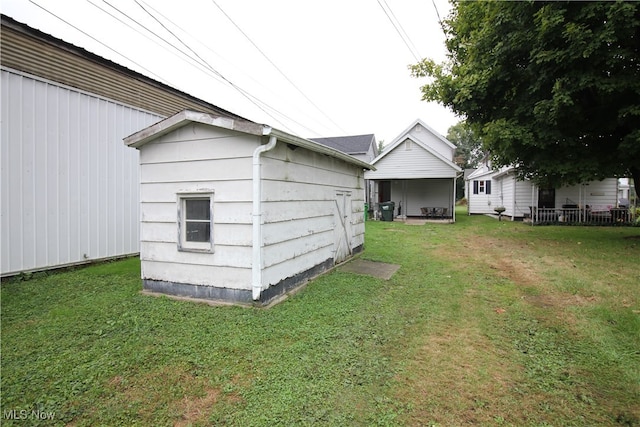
[{"x": 237, "y": 211}]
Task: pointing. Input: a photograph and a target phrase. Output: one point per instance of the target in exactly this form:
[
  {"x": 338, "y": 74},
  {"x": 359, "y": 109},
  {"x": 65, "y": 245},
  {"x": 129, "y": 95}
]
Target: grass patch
[{"x": 486, "y": 322}]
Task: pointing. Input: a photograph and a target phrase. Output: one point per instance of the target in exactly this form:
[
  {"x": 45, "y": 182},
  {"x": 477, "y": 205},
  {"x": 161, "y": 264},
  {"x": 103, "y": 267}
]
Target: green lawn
[{"x": 485, "y": 323}]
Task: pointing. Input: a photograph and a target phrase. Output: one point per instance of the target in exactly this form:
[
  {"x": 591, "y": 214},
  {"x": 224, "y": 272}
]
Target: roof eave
[
  {"x": 185, "y": 117},
  {"x": 318, "y": 148}
]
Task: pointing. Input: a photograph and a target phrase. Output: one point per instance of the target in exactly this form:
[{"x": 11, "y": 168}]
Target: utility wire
[
  {"x": 256, "y": 101},
  {"x": 406, "y": 40},
  {"x": 188, "y": 59},
  {"x": 98, "y": 41},
  {"x": 276, "y": 67},
  {"x": 414, "y": 49},
  {"x": 439, "y": 19}
]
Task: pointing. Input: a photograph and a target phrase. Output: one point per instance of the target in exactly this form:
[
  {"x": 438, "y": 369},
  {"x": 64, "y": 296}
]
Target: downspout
[
  {"x": 256, "y": 265},
  {"x": 455, "y": 194}
]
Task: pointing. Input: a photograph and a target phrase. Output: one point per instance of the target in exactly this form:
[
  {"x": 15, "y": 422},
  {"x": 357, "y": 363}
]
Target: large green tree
[
  {"x": 552, "y": 87},
  {"x": 468, "y": 145}
]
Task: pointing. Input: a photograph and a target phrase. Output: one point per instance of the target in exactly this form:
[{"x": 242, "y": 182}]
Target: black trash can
[{"x": 386, "y": 210}]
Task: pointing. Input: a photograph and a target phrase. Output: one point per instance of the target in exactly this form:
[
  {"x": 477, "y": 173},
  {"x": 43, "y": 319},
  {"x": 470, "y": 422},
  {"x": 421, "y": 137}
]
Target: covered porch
[{"x": 424, "y": 198}]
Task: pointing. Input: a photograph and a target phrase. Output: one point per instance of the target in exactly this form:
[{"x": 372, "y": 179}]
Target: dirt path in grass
[{"x": 460, "y": 374}]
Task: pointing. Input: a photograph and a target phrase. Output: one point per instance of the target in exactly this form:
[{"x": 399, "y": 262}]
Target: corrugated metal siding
[
  {"x": 31, "y": 51},
  {"x": 69, "y": 184}
]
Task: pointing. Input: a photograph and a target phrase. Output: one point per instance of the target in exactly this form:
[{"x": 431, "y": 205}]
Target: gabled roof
[
  {"x": 354, "y": 144},
  {"x": 185, "y": 117},
  {"x": 479, "y": 172},
  {"x": 405, "y": 132},
  {"x": 405, "y": 135},
  {"x": 485, "y": 170}
]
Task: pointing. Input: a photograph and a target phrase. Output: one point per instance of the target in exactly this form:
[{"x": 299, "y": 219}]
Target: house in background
[
  {"x": 416, "y": 172},
  {"x": 362, "y": 147},
  {"x": 488, "y": 189},
  {"x": 69, "y": 186},
  {"x": 236, "y": 211}
]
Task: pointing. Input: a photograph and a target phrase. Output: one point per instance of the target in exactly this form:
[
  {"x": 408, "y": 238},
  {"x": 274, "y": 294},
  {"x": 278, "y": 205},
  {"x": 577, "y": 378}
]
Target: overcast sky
[{"x": 315, "y": 68}]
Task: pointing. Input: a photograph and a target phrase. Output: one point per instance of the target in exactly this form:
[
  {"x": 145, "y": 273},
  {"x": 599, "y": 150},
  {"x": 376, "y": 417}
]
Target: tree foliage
[
  {"x": 468, "y": 145},
  {"x": 552, "y": 87}
]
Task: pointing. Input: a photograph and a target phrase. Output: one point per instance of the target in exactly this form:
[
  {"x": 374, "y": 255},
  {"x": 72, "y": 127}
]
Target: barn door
[{"x": 342, "y": 231}]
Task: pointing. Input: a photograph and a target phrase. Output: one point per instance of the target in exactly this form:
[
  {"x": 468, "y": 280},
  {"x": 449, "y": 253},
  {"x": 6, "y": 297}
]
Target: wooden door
[
  {"x": 547, "y": 198},
  {"x": 342, "y": 231}
]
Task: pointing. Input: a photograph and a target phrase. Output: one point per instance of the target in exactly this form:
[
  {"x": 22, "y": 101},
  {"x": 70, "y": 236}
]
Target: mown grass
[{"x": 486, "y": 322}]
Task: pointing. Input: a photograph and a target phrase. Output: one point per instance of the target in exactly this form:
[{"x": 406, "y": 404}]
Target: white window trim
[{"x": 183, "y": 244}]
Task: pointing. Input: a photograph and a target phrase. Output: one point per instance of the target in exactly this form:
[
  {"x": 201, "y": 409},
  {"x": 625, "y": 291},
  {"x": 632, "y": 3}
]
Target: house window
[
  {"x": 482, "y": 187},
  {"x": 195, "y": 222}
]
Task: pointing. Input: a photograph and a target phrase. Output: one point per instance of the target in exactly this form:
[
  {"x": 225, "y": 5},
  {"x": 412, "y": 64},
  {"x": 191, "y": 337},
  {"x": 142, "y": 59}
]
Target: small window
[
  {"x": 482, "y": 187},
  {"x": 195, "y": 222}
]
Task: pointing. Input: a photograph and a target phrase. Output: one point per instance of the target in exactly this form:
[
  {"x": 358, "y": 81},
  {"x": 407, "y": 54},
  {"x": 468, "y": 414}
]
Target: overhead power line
[
  {"x": 262, "y": 105},
  {"x": 206, "y": 64},
  {"x": 439, "y": 19},
  {"x": 276, "y": 67},
  {"x": 400, "y": 30},
  {"x": 98, "y": 41},
  {"x": 185, "y": 57}
]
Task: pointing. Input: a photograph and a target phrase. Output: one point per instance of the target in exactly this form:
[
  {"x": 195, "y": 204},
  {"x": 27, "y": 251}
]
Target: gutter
[{"x": 256, "y": 264}]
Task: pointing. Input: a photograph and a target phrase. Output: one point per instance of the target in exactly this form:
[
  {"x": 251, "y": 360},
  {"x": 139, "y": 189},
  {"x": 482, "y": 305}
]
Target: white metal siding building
[
  {"x": 268, "y": 222},
  {"x": 69, "y": 187}
]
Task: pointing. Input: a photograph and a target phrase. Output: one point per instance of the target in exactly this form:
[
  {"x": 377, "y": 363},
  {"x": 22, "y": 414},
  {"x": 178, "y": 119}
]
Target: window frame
[
  {"x": 482, "y": 187},
  {"x": 183, "y": 244}
]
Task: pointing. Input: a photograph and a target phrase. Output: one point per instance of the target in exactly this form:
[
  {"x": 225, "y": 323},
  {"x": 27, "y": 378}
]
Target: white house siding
[
  {"x": 192, "y": 158},
  {"x": 410, "y": 161},
  {"x": 430, "y": 140},
  {"x": 69, "y": 186},
  {"x": 482, "y": 203},
  {"x": 302, "y": 193},
  {"x": 524, "y": 194},
  {"x": 599, "y": 194},
  {"x": 518, "y": 200}
]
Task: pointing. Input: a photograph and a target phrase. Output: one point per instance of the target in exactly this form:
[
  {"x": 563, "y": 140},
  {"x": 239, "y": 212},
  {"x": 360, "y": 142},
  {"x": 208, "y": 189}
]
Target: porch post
[{"x": 453, "y": 208}]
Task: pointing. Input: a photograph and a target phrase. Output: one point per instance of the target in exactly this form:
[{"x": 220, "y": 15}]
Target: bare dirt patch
[
  {"x": 196, "y": 409},
  {"x": 190, "y": 401}
]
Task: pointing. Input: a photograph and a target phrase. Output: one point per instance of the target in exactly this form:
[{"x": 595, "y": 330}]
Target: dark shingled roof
[{"x": 355, "y": 144}]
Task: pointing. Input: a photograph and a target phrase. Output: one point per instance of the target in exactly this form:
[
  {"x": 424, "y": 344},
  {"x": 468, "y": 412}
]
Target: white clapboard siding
[
  {"x": 277, "y": 232},
  {"x": 282, "y": 210},
  {"x": 419, "y": 133},
  {"x": 206, "y": 275},
  {"x": 299, "y": 191},
  {"x": 223, "y": 234},
  {"x": 223, "y": 256},
  {"x": 523, "y": 200},
  {"x": 414, "y": 162},
  {"x": 290, "y": 250},
  {"x": 166, "y": 192},
  {"x": 69, "y": 185},
  {"x": 217, "y": 170},
  {"x": 601, "y": 194},
  {"x": 223, "y": 212}
]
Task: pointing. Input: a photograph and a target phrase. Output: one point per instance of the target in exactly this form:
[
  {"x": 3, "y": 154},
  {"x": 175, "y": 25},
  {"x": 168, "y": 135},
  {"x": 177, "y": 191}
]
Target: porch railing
[{"x": 613, "y": 216}]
